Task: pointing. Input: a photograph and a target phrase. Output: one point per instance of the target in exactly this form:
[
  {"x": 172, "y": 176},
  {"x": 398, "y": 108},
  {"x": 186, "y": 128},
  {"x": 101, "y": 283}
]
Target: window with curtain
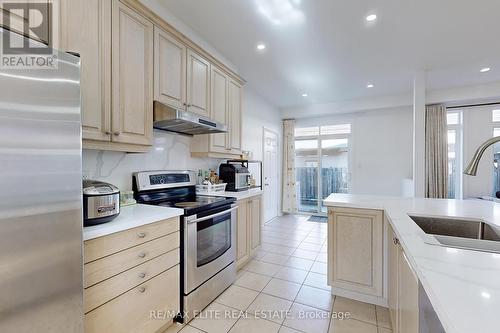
[{"x": 454, "y": 123}]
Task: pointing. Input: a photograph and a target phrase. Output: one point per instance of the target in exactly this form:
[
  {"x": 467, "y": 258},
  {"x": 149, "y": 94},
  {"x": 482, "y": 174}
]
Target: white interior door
[{"x": 270, "y": 166}]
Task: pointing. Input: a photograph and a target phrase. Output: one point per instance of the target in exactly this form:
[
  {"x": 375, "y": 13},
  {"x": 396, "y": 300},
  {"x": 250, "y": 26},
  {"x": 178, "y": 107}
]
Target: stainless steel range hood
[{"x": 184, "y": 122}]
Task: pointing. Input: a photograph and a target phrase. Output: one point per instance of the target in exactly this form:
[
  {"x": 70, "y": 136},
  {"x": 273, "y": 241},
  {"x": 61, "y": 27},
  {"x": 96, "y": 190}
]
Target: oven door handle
[{"x": 204, "y": 218}]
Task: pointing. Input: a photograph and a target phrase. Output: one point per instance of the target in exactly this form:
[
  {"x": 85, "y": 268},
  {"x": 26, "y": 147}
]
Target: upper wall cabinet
[
  {"x": 115, "y": 44},
  {"x": 226, "y": 99},
  {"x": 198, "y": 84},
  {"x": 219, "y": 110},
  {"x": 235, "y": 112},
  {"x": 170, "y": 70},
  {"x": 130, "y": 56},
  {"x": 132, "y": 76},
  {"x": 93, "y": 45}
]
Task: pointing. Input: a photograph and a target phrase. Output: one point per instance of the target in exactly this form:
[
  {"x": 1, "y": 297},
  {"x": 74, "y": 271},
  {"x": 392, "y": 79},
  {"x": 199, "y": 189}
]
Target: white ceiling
[{"x": 326, "y": 48}]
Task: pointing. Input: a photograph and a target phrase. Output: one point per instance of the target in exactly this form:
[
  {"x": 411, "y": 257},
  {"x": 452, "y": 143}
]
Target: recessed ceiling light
[
  {"x": 369, "y": 85},
  {"x": 261, "y": 46},
  {"x": 485, "y": 69},
  {"x": 371, "y": 18},
  {"x": 304, "y": 95},
  {"x": 486, "y": 295}
]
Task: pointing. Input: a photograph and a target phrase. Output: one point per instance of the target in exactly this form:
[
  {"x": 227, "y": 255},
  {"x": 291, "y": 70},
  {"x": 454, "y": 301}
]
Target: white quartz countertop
[
  {"x": 462, "y": 285},
  {"x": 238, "y": 195},
  {"x": 131, "y": 217}
]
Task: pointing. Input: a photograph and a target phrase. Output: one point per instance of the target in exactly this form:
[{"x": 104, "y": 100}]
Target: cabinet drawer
[
  {"x": 104, "y": 246},
  {"x": 117, "y": 263},
  {"x": 107, "y": 290},
  {"x": 135, "y": 310}
]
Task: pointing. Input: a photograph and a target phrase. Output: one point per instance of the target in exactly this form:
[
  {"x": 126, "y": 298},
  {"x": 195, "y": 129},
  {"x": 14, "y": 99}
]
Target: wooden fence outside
[{"x": 333, "y": 180}]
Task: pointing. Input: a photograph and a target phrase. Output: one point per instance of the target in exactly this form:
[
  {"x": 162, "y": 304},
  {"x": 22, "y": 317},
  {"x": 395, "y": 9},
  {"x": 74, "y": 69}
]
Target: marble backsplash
[{"x": 169, "y": 152}]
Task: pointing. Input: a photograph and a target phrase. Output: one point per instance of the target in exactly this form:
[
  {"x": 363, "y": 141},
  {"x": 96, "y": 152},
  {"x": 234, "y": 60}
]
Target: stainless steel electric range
[{"x": 208, "y": 235}]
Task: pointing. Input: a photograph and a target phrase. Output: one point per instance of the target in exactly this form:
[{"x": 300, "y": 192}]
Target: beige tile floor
[{"x": 283, "y": 289}]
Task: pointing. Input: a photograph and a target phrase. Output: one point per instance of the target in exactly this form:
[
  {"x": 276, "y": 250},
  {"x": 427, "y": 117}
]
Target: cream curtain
[
  {"x": 436, "y": 152},
  {"x": 289, "y": 193}
]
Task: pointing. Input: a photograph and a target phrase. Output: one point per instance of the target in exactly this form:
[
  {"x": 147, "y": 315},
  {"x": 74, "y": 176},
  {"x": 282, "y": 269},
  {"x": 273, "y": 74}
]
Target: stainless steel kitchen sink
[{"x": 460, "y": 233}]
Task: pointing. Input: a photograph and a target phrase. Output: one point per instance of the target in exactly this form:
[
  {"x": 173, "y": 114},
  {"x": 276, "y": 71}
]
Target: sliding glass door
[
  {"x": 307, "y": 167},
  {"x": 334, "y": 166},
  {"x": 322, "y": 165}
]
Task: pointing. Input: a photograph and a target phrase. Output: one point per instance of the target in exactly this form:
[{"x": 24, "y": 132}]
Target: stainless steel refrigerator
[{"x": 40, "y": 199}]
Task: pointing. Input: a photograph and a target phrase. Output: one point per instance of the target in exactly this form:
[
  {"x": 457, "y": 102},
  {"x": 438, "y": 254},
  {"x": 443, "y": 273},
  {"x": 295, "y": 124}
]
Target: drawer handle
[
  {"x": 141, "y": 235},
  {"x": 142, "y": 275},
  {"x": 142, "y": 289},
  {"x": 142, "y": 255}
]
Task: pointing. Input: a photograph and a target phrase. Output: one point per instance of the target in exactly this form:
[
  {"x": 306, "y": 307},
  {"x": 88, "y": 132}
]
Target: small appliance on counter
[
  {"x": 101, "y": 202},
  {"x": 236, "y": 174}
]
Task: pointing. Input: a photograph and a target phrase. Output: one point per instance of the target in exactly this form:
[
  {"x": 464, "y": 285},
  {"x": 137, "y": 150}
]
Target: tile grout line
[{"x": 294, "y": 301}]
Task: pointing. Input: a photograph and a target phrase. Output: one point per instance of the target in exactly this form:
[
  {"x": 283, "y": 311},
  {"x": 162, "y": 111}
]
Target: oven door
[{"x": 209, "y": 245}]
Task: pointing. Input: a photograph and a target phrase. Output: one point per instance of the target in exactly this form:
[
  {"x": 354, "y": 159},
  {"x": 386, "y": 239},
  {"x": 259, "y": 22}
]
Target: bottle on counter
[{"x": 200, "y": 179}]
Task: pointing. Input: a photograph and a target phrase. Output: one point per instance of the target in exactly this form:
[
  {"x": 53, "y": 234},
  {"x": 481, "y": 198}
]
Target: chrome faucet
[{"x": 471, "y": 169}]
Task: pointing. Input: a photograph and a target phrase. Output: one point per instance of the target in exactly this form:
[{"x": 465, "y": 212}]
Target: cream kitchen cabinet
[
  {"x": 220, "y": 110},
  {"x": 355, "y": 256},
  {"x": 93, "y": 45},
  {"x": 255, "y": 218},
  {"x": 248, "y": 229},
  {"x": 130, "y": 56},
  {"x": 115, "y": 44},
  {"x": 130, "y": 274},
  {"x": 392, "y": 276},
  {"x": 198, "y": 84},
  {"x": 226, "y": 107},
  {"x": 169, "y": 70},
  {"x": 132, "y": 76},
  {"x": 403, "y": 290},
  {"x": 242, "y": 234},
  {"x": 235, "y": 93}
]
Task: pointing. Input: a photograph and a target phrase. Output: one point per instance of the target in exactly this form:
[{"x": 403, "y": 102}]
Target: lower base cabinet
[
  {"x": 145, "y": 308},
  {"x": 366, "y": 262},
  {"x": 403, "y": 290},
  {"x": 248, "y": 229},
  {"x": 132, "y": 279},
  {"x": 356, "y": 252}
]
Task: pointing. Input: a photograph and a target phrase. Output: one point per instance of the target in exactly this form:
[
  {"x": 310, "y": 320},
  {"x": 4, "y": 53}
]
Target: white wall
[
  {"x": 257, "y": 115},
  {"x": 169, "y": 152},
  {"x": 381, "y": 148}
]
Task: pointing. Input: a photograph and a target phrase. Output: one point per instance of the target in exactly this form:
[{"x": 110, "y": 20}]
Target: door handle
[{"x": 204, "y": 218}]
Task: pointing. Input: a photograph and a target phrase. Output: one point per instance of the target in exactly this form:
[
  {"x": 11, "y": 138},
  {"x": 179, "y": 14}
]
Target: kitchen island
[{"x": 463, "y": 286}]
